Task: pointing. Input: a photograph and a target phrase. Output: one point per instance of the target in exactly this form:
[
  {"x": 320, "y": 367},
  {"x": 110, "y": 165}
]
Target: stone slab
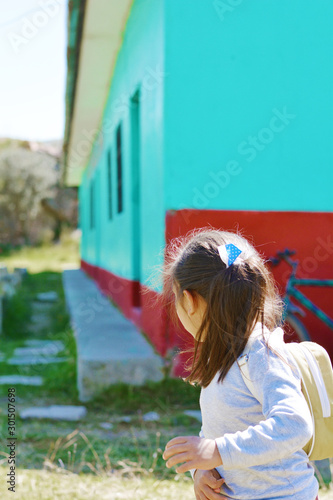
[
  {"x": 55, "y": 412},
  {"x": 151, "y": 416},
  {"x": 42, "y": 342},
  {"x": 35, "y": 360},
  {"x": 20, "y": 379},
  {"x": 47, "y": 296},
  {"x": 47, "y": 349},
  {"x": 110, "y": 348},
  {"x": 106, "y": 425}
]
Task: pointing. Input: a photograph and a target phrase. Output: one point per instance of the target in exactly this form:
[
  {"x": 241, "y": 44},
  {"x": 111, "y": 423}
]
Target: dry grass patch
[{"x": 45, "y": 485}]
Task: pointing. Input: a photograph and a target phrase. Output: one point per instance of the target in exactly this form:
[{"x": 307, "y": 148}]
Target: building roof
[{"x": 95, "y": 31}]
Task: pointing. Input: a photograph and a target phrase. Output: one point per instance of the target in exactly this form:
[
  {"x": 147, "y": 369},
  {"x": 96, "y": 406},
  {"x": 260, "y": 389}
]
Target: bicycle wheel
[{"x": 295, "y": 331}]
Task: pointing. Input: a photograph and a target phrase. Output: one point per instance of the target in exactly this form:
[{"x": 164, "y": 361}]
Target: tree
[{"x": 29, "y": 181}]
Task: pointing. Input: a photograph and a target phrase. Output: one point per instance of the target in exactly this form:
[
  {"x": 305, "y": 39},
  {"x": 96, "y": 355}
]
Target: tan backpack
[{"x": 317, "y": 387}]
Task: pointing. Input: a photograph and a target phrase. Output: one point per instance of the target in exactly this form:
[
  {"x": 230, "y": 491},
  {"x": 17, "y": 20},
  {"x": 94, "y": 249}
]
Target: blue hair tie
[{"x": 229, "y": 253}]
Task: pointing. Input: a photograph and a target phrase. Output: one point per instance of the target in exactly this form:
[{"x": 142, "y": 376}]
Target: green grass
[
  {"x": 126, "y": 459},
  {"x": 159, "y": 396},
  {"x": 46, "y": 257},
  {"x": 17, "y": 310},
  {"x": 82, "y": 460},
  {"x": 60, "y": 485}
]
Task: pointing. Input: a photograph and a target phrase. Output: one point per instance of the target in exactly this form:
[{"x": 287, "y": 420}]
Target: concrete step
[
  {"x": 55, "y": 412},
  {"x": 12, "y": 380},
  {"x": 35, "y": 360},
  {"x": 110, "y": 348},
  {"x": 47, "y": 349}
]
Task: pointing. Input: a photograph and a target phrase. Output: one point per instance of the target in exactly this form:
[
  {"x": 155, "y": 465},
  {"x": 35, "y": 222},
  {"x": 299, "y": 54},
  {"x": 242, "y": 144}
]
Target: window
[
  {"x": 92, "y": 205},
  {"x": 109, "y": 184},
  {"x": 135, "y": 198},
  {"x": 120, "y": 186}
]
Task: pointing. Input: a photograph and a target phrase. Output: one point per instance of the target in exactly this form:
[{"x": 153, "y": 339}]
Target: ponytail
[{"x": 236, "y": 298}]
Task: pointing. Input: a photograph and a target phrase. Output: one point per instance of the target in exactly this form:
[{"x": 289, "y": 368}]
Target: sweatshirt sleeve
[{"x": 287, "y": 424}]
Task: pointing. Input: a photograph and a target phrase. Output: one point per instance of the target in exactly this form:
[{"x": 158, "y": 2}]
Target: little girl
[{"x": 225, "y": 298}]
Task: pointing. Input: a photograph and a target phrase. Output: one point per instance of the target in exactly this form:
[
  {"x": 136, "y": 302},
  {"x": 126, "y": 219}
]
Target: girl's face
[{"x": 190, "y": 310}]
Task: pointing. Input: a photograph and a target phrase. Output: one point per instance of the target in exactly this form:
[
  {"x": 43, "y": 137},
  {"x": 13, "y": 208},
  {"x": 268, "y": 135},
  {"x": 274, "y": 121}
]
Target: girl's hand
[
  {"x": 194, "y": 452},
  {"x": 207, "y": 484}
]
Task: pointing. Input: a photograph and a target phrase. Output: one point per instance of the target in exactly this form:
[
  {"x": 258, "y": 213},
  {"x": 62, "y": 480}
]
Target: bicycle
[{"x": 290, "y": 309}]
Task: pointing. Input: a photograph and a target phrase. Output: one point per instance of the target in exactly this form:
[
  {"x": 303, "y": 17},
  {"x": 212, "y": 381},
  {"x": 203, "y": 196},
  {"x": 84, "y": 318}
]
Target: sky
[{"x": 33, "y": 68}]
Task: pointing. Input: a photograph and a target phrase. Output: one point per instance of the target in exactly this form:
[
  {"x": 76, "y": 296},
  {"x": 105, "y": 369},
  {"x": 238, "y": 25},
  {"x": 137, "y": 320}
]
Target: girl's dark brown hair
[{"x": 236, "y": 296}]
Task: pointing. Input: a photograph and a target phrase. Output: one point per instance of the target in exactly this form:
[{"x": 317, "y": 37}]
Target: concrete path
[{"x": 110, "y": 347}]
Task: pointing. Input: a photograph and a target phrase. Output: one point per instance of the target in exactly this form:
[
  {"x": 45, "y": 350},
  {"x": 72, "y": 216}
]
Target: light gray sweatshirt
[{"x": 261, "y": 445}]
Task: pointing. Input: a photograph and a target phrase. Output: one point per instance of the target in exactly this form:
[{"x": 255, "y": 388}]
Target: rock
[
  {"x": 23, "y": 271},
  {"x": 12, "y": 279},
  {"x": 20, "y": 379},
  {"x": 3, "y": 270},
  {"x": 56, "y": 412},
  {"x": 8, "y": 290},
  {"x": 47, "y": 296},
  {"x": 106, "y": 425},
  {"x": 151, "y": 416},
  {"x": 194, "y": 414}
]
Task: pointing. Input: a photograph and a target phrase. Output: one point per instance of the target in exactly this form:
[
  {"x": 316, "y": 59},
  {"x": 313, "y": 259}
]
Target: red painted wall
[{"x": 311, "y": 234}]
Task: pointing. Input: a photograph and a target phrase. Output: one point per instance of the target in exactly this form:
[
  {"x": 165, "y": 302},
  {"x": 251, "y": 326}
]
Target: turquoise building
[{"x": 183, "y": 114}]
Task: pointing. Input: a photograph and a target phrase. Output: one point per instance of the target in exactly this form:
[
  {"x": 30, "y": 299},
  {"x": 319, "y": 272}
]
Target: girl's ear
[{"x": 190, "y": 302}]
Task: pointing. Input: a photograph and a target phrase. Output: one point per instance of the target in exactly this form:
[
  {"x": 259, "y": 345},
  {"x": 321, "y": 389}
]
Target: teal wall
[
  {"x": 231, "y": 70},
  {"x": 236, "y": 113},
  {"x": 140, "y": 64}
]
